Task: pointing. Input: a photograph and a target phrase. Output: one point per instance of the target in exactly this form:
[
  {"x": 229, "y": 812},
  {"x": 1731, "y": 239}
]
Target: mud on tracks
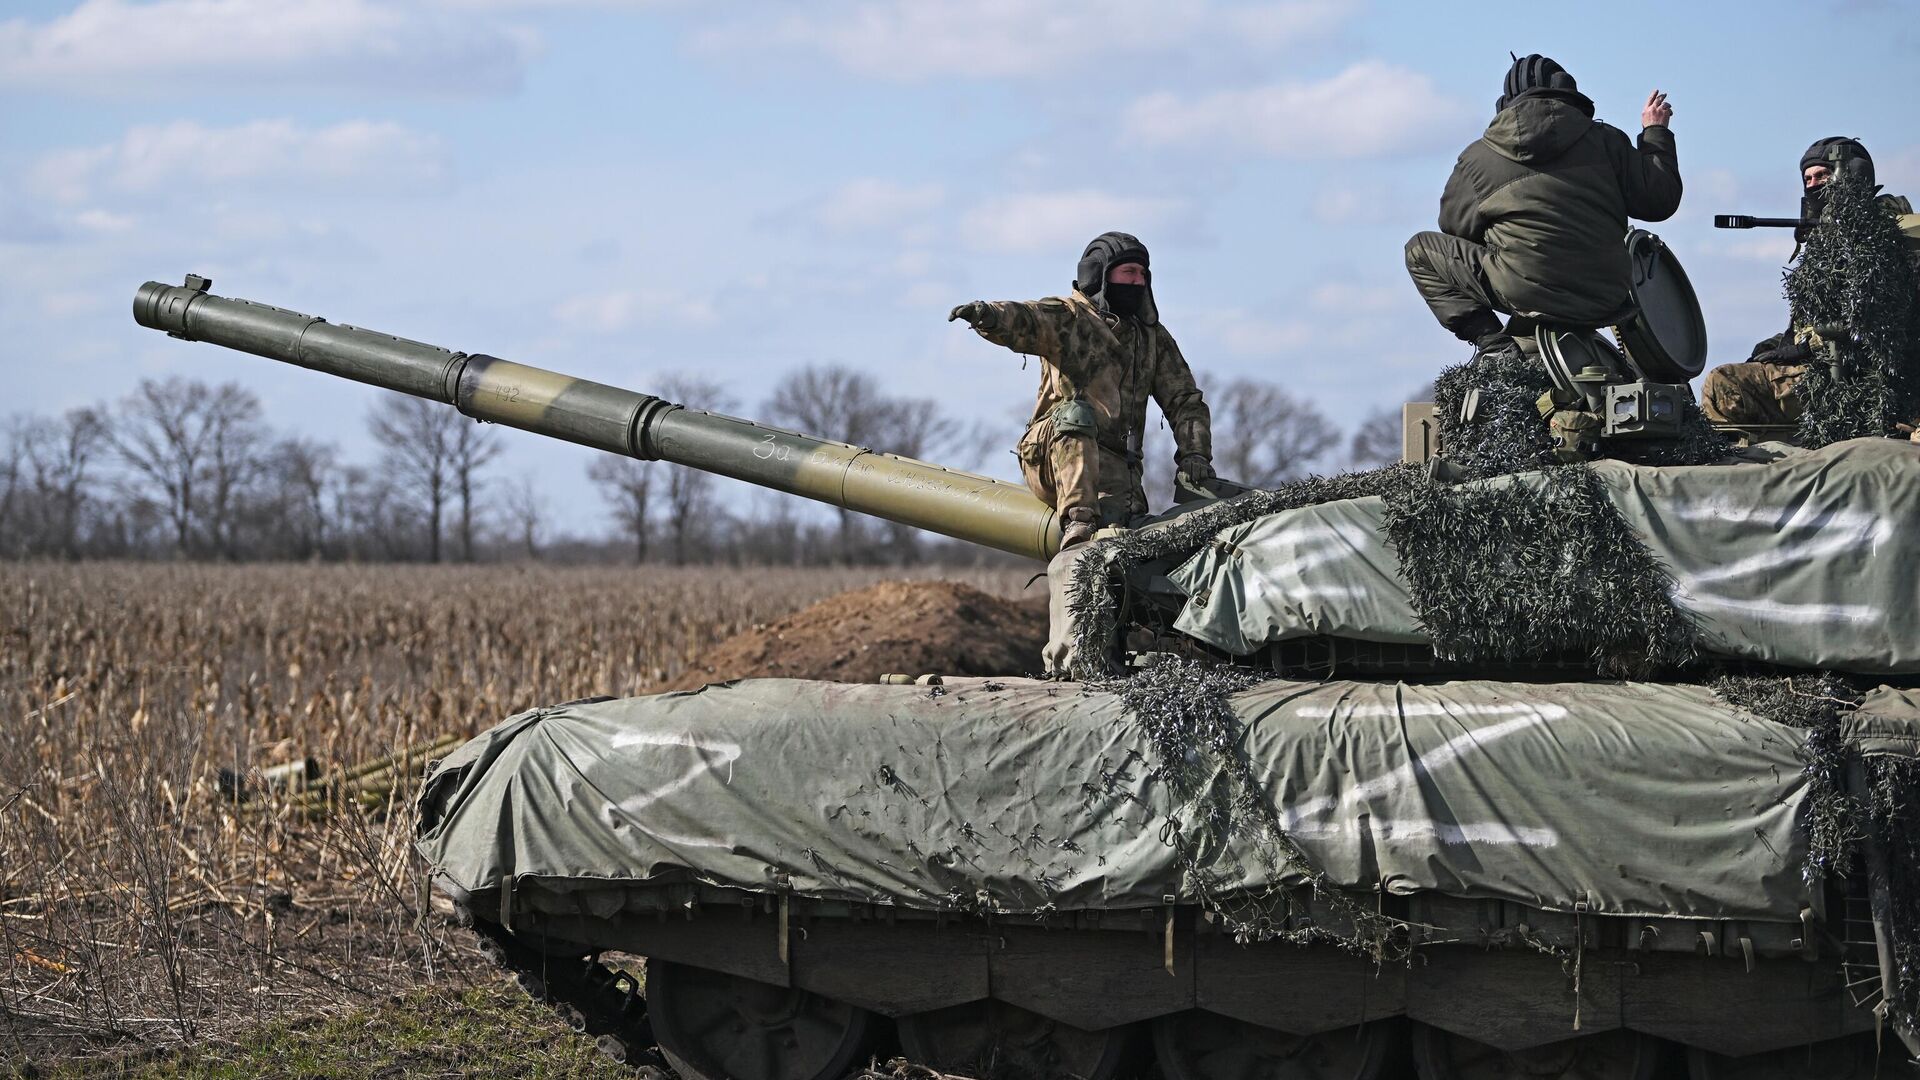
[{"x": 912, "y": 627}]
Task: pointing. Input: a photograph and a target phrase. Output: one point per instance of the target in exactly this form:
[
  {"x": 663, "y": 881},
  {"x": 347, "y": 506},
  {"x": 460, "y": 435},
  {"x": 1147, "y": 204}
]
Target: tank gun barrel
[{"x": 965, "y": 506}]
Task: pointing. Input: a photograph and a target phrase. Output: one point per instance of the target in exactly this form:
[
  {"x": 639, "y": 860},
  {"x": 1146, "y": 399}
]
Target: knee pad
[{"x": 1075, "y": 417}]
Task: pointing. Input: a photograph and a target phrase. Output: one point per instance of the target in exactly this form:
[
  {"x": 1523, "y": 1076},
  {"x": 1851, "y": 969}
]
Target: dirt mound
[{"x": 913, "y": 627}]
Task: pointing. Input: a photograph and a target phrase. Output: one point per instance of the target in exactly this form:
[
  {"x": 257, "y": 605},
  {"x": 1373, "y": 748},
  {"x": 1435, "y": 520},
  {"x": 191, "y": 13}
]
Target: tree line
[{"x": 183, "y": 469}]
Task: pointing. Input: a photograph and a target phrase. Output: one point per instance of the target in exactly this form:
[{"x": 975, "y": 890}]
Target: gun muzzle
[{"x": 1748, "y": 221}]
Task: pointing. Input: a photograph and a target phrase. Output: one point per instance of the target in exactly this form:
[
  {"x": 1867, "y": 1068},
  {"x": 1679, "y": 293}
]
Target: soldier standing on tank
[
  {"x": 1761, "y": 390},
  {"x": 1103, "y": 352},
  {"x": 1533, "y": 220}
]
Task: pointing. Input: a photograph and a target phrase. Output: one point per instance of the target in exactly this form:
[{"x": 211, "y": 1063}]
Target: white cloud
[
  {"x": 622, "y": 309},
  {"x": 1364, "y": 202},
  {"x": 360, "y": 154},
  {"x": 105, "y": 221},
  {"x": 870, "y": 205},
  {"x": 1049, "y": 221},
  {"x": 188, "y": 47},
  {"x": 913, "y": 40},
  {"x": 1372, "y": 109},
  {"x": 1350, "y": 299},
  {"x": 1242, "y": 333}
]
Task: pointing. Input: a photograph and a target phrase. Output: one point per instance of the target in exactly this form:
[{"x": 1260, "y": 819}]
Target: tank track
[
  {"x": 606, "y": 1005},
  {"x": 597, "y": 1001}
]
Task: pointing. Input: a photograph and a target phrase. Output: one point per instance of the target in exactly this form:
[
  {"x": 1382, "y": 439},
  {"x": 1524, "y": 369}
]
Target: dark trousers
[{"x": 1452, "y": 277}]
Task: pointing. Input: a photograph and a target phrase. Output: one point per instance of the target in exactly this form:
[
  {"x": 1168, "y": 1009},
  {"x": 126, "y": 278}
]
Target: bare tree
[
  {"x": 830, "y": 401},
  {"x": 163, "y": 435},
  {"x": 419, "y": 437},
  {"x": 233, "y": 459},
  {"x": 689, "y": 492},
  {"x": 1263, "y": 435},
  {"x": 298, "y": 475},
  {"x": 13, "y": 471},
  {"x": 1376, "y": 441},
  {"x": 473, "y": 445},
  {"x": 627, "y": 486},
  {"x": 59, "y": 454},
  {"x": 526, "y": 509}
]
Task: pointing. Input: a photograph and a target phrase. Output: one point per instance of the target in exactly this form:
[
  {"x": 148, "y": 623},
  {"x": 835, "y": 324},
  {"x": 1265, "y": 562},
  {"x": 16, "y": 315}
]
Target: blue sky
[{"x": 624, "y": 190}]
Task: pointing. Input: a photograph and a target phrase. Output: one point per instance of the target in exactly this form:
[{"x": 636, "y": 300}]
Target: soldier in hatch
[
  {"x": 1534, "y": 218},
  {"x": 1761, "y": 390},
  {"x": 1103, "y": 352}
]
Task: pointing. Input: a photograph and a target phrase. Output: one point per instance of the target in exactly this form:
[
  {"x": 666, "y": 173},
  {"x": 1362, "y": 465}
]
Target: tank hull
[{"x": 1129, "y": 960}]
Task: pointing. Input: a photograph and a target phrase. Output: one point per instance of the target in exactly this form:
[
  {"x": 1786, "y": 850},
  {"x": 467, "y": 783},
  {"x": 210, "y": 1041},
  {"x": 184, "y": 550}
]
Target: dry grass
[{"x": 140, "y": 908}]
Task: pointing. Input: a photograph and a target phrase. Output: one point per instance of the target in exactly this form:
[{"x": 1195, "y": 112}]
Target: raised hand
[{"x": 1656, "y": 112}]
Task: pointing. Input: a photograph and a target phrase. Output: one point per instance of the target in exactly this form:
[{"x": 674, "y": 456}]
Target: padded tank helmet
[
  {"x": 1107, "y": 251},
  {"x": 1843, "y": 155},
  {"x": 1854, "y": 158},
  {"x": 1533, "y": 72}
]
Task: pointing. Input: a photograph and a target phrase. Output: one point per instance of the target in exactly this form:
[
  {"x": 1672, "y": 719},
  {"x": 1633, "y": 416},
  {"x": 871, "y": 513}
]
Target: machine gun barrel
[
  {"x": 965, "y": 506},
  {"x": 1748, "y": 221}
]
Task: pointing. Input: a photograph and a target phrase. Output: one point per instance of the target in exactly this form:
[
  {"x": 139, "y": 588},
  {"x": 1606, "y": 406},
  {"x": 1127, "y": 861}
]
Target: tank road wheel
[
  {"x": 1849, "y": 1058},
  {"x": 1610, "y": 1055},
  {"x": 992, "y": 1038},
  {"x": 1198, "y": 1045},
  {"x": 714, "y": 1026}
]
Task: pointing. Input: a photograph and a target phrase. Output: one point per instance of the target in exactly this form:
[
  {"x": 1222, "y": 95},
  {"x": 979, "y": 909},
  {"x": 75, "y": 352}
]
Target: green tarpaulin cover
[
  {"x": 1025, "y": 796},
  {"x": 1811, "y": 560}
]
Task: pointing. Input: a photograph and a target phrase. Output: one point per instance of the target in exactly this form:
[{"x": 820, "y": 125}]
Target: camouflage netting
[
  {"x": 1574, "y": 579},
  {"x": 1856, "y": 280},
  {"x": 1893, "y": 786},
  {"x": 1817, "y": 703},
  {"x": 1841, "y": 820},
  {"x": 1183, "y": 707},
  {"x": 1508, "y": 435}
]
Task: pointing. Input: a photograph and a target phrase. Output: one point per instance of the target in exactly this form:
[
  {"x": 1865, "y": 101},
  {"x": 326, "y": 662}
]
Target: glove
[
  {"x": 1195, "y": 479},
  {"x": 1783, "y": 354},
  {"x": 974, "y": 312}
]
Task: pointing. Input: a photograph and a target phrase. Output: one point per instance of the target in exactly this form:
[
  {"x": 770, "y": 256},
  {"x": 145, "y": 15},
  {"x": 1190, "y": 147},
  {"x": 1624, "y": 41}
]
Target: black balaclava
[
  {"x": 1128, "y": 301},
  {"x": 1854, "y": 161},
  {"x": 1533, "y": 72}
]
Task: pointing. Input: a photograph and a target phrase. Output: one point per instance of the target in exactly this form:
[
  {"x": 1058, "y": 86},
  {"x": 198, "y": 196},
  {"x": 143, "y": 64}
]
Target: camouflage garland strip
[
  {"x": 1816, "y": 703},
  {"x": 1856, "y": 276},
  {"x": 1574, "y": 576},
  {"x": 1839, "y": 821},
  {"x": 1893, "y": 786},
  {"x": 1185, "y": 709},
  {"x": 1507, "y": 434}
]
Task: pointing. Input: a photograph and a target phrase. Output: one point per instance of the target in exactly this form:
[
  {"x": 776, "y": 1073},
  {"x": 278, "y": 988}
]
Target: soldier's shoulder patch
[{"x": 1054, "y": 303}]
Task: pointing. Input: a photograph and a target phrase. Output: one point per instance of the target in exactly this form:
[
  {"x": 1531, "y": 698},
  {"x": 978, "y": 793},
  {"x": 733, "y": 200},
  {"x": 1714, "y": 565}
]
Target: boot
[{"x": 1497, "y": 347}]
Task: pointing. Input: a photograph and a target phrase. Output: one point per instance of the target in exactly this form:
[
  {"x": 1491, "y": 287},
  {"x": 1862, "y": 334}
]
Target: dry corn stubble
[{"x": 141, "y": 907}]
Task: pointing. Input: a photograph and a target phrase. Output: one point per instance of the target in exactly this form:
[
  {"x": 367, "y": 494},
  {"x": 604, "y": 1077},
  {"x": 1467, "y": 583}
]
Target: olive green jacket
[{"x": 1548, "y": 190}]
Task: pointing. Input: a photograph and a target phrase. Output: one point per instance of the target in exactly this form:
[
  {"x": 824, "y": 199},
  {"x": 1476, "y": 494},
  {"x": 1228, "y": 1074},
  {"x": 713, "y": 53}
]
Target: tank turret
[{"x": 977, "y": 509}]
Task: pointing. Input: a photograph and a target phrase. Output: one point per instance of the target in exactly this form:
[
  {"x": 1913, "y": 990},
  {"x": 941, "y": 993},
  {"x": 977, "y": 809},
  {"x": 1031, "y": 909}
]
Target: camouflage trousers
[
  {"x": 1080, "y": 478},
  {"x": 1755, "y": 392}
]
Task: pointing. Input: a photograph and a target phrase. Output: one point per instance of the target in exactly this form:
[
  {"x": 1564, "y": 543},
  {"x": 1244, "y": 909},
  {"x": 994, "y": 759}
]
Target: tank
[{"x": 1605, "y": 772}]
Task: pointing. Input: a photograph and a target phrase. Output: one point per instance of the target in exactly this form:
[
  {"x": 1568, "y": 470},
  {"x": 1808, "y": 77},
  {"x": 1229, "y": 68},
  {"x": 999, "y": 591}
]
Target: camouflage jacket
[{"x": 1111, "y": 363}]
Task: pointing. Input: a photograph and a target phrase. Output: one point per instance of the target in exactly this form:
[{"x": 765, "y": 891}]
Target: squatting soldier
[
  {"x": 1103, "y": 352},
  {"x": 1761, "y": 390},
  {"x": 1534, "y": 218}
]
